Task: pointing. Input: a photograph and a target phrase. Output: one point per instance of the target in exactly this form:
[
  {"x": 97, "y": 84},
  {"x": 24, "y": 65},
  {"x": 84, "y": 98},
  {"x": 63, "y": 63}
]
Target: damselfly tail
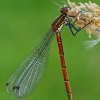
[{"x": 63, "y": 65}]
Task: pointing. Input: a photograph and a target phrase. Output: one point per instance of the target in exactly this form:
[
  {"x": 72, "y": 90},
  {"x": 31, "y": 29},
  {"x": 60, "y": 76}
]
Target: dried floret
[{"x": 84, "y": 14}]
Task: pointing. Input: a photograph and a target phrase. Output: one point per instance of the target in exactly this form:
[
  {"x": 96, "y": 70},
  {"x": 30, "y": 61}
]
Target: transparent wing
[{"x": 26, "y": 77}]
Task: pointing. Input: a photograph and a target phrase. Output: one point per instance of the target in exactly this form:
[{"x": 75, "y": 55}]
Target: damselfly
[{"x": 27, "y": 76}]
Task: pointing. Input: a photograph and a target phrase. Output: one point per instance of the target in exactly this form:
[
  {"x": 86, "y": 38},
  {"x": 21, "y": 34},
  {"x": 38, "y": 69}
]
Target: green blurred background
[{"x": 22, "y": 24}]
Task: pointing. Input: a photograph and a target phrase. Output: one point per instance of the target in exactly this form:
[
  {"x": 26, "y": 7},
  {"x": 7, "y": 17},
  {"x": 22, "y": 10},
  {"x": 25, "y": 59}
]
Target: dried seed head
[{"x": 88, "y": 13}]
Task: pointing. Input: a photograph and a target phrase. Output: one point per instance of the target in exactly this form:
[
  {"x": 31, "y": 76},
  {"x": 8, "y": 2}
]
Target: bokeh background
[{"x": 22, "y": 24}]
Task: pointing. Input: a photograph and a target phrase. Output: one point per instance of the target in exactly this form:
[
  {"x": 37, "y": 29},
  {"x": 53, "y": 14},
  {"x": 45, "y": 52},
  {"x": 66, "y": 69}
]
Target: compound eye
[
  {"x": 61, "y": 10},
  {"x": 67, "y": 10}
]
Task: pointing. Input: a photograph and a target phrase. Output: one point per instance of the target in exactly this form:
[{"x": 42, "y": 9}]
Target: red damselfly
[{"x": 26, "y": 77}]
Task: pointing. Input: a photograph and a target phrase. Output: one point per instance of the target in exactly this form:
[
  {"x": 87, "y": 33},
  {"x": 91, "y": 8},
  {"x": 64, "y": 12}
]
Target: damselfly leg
[{"x": 71, "y": 24}]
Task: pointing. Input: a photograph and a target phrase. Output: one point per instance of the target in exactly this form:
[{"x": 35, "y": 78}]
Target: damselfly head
[{"x": 64, "y": 9}]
